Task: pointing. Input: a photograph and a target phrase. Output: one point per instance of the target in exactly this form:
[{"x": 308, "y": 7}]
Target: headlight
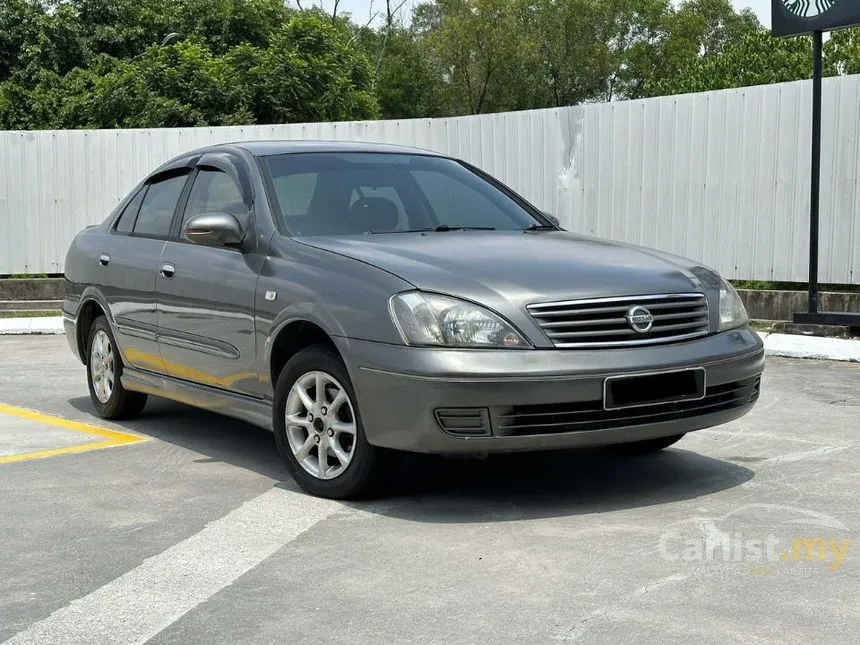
[
  {"x": 732, "y": 311},
  {"x": 442, "y": 321}
]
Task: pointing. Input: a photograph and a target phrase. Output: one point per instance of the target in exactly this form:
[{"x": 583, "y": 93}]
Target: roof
[
  {"x": 268, "y": 148},
  {"x": 265, "y": 148}
]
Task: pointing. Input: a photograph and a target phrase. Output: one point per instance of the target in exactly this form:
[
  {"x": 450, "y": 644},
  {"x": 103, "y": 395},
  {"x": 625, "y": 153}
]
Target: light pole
[
  {"x": 791, "y": 18},
  {"x": 169, "y": 39}
]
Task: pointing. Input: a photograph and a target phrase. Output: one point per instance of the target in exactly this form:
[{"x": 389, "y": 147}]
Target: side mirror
[
  {"x": 214, "y": 229},
  {"x": 552, "y": 218}
]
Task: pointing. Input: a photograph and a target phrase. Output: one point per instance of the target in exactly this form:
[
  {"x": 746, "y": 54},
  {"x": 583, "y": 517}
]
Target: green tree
[
  {"x": 842, "y": 52},
  {"x": 222, "y": 24},
  {"x": 694, "y": 32},
  {"x": 757, "y": 59},
  {"x": 407, "y": 80},
  {"x": 63, "y": 41},
  {"x": 634, "y": 32},
  {"x": 100, "y": 63},
  {"x": 121, "y": 28},
  {"x": 702, "y": 28},
  {"x": 476, "y": 44},
  {"x": 21, "y": 22},
  {"x": 181, "y": 85},
  {"x": 312, "y": 71},
  {"x": 309, "y": 71}
]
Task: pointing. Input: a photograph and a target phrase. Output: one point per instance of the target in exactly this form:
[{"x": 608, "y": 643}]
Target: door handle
[
  {"x": 167, "y": 270},
  {"x": 104, "y": 259}
]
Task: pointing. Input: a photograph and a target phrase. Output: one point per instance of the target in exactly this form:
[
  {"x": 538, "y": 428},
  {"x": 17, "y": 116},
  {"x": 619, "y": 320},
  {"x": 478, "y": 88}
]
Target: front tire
[
  {"x": 318, "y": 428},
  {"x": 646, "y": 447},
  {"x": 104, "y": 373}
]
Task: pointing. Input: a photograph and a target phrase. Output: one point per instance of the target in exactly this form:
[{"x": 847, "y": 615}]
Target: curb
[
  {"x": 785, "y": 345},
  {"x": 22, "y": 326},
  {"x": 793, "y": 346}
]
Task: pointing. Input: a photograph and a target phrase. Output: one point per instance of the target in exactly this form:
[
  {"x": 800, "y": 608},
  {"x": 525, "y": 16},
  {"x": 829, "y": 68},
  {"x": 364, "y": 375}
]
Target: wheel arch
[
  {"x": 93, "y": 305},
  {"x": 89, "y": 310},
  {"x": 291, "y": 338}
]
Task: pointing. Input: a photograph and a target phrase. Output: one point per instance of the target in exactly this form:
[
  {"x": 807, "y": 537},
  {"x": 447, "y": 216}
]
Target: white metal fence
[{"x": 721, "y": 177}]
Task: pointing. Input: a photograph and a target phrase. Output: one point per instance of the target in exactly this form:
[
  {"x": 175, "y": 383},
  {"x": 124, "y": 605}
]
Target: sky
[
  {"x": 360, "y": 13},
  {"x": 761, "y": 7}
]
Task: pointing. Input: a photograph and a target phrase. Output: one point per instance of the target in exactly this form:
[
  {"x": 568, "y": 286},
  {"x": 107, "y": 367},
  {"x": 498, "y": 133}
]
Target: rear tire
[
  {"x": 104, "y": 376},
  {"x": 324, "y": 446},
  {"x": 646, "y": 447}
]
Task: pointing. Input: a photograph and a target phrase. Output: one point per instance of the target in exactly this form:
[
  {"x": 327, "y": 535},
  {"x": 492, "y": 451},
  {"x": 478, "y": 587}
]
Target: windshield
[{"x": 351, "y": 193}]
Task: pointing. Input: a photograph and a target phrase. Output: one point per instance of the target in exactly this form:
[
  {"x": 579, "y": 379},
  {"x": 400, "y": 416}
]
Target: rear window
[
  {"x": 356, "y": 193},
  {"x": 129, "y": 214}
]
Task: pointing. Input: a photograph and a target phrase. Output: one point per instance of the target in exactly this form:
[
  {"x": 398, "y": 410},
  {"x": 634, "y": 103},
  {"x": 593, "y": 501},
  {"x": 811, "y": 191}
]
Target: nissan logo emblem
[{"x": 640, "y": 319}]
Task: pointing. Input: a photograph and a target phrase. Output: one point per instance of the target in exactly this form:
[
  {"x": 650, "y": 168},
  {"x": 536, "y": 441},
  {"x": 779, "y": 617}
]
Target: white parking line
[{"x": 141, "y": 603}]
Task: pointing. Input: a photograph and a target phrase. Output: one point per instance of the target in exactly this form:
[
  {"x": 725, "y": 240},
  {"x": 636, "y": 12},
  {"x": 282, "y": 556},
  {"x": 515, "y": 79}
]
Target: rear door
[
  {"x": 206, "y": 294},
  {"x": 128, "y": 262}
]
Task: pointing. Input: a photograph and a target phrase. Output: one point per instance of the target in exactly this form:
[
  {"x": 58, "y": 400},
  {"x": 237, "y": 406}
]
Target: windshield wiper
[
  {"x": 405, "y": 230},
  {"x": 444, "y": 228},
  {"x": 541, "y": 227}
]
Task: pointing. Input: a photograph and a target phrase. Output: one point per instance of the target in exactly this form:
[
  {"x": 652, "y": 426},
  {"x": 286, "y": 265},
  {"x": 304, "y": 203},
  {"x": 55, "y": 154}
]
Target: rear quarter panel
[{"x": 79, "y": 269}]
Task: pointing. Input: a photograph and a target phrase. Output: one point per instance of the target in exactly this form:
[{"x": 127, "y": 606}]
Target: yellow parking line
[
  {"x": 111, "y": 438},
  {"x": 69, "y": 450}
]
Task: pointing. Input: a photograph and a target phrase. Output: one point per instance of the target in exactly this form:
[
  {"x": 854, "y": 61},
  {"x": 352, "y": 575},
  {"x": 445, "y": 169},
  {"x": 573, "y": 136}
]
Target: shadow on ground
[
  {"x": 215, "y": 437},
  {"x": 426, "y": 488},
  {"x": 553, "y": 484}
]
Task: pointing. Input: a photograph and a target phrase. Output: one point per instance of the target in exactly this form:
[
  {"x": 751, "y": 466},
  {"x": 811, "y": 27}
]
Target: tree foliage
[
  {"x": 238, "y": 62},
  {"x": 755, "y": 59},
  {"x": 101, "y": 63}
]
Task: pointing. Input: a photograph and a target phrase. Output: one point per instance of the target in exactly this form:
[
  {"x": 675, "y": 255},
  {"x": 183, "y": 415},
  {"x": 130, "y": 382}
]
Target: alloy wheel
[
  {"x": 102, "y": 366},
  {"x": 320, "y": 423}
]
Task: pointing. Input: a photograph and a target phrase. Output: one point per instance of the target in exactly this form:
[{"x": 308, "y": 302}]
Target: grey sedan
[{"x": 360, "y": 300}]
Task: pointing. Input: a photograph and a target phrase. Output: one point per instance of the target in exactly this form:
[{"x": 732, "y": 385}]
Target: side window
[
  {"x": 126, "y": 221},
  {"x": 159, "y": 204},
  {"x": 214, "y": 191}
]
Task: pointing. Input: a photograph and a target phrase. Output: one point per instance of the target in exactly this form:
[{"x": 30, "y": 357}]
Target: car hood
[{"x": 522, "y": 267}]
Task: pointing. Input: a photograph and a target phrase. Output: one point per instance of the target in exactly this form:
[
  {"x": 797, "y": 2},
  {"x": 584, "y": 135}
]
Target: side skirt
[{"x": 233, "y": 405}]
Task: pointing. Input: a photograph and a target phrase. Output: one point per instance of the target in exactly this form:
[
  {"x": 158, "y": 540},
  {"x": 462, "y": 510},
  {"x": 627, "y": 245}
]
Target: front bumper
[{"x": 539, "y": 399}]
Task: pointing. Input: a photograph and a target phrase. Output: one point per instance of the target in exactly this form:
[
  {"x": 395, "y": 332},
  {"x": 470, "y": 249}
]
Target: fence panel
[{"x": 721, "y": 177}]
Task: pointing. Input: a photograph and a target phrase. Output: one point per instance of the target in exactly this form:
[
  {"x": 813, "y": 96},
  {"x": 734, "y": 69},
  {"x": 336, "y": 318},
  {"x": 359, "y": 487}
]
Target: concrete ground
[{"x": 183, "y": 528}]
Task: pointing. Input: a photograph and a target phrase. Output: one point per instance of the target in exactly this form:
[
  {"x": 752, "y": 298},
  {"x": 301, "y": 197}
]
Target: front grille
[
  {"x": 602, "y": 322},
  {"x": 464, "y": 422},
  {"x": 524, "y": 420}
]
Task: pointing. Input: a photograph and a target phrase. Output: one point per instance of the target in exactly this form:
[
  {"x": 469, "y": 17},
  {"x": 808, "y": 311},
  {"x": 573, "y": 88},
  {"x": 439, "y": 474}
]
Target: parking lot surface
[{"x": 182, "y": 527}]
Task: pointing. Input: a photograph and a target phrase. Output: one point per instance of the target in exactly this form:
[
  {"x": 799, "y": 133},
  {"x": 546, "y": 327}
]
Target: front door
[{"x": 206, "y": 296}]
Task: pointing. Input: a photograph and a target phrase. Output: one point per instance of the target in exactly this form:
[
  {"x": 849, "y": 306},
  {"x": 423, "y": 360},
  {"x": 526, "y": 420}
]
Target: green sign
[{"x": 799, "y": 17}]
